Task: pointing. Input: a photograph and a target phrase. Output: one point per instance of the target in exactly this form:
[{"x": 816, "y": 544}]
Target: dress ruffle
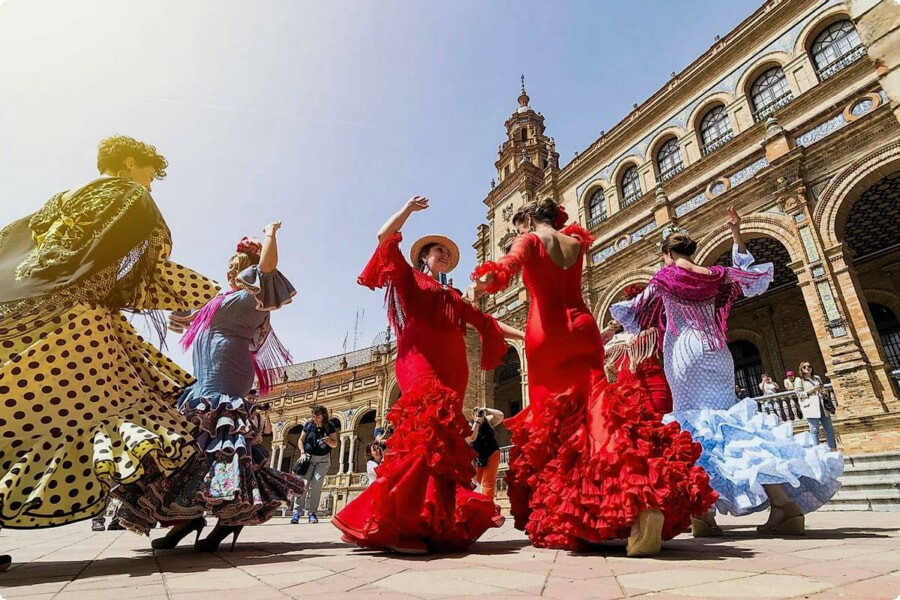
[
  {"x": 501, "y": 273},
  {"x": 423, "y": 492},
  {"x": 578, "y": 478},
  {"x": 272, "y": 290},
  {"x": 744, "y": 449},
  {"x": 230, "y": 479}
]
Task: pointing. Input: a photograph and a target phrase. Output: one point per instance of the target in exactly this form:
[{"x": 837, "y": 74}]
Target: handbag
[
  {"x": 302, "y": 466},
  {"x": 828, "y": 403}
]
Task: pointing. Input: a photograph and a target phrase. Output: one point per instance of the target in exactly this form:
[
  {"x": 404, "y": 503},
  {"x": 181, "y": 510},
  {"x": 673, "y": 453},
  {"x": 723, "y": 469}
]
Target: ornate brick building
[{"x": 785, "y": 119}]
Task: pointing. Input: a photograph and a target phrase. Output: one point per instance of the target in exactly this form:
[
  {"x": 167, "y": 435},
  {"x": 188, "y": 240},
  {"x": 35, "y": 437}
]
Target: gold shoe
[
  {"x": 792, "y": 522},
  {"x": 646, "y": 535},
  {"x": 703, "y": 528}
]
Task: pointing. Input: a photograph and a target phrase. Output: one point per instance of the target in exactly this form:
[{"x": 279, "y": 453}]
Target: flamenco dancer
[
  {"x": 590, "y": 462},
  {"x": 635, "y": 359},
  {"x": 753, "y": 461},
  {"x": 233, "y": 342},
  {"x": 84, "y": 400},
  {"x": 423, "y": 499}
]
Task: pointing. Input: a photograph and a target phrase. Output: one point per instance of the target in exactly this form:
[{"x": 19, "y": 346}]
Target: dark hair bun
[
  {"x": 546, "y": 211},
  {"x": 680, "y": 243}
]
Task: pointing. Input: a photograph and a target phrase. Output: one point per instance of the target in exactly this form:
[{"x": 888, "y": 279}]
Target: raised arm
[
  {"x": 268, "y": 256},
  {"x": 491, "y": 277},
  {"x": 398, "y": 219},
  {"x": 734, "y": 221}
]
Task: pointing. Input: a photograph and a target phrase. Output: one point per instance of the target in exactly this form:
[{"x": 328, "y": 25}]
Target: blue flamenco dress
[
  {"x": 230, "y": 478},
  {"x": 743, "y": 449}
]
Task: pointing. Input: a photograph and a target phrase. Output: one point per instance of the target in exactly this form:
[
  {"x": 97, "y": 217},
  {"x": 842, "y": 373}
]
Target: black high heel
[
  {"x": 211, "y": 542},
  {"x": 5, "y": 561},
  {"x": 176, "y": 535}
]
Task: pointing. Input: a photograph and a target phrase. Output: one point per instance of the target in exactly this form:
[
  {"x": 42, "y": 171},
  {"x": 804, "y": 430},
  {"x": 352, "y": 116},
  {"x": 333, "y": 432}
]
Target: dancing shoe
[
  {"x": 115, "y": 526},
  {"x": 98, "y": 525},
  {"x": 5, "y": 562},
  {"x": 179, "y": 533},
  {"x": 792, "y": 521},
  {"x": 646, "y": 535},
  {"x": 706, "y": 526},
  {"x": 211, "y": 542},
  {"x": 409, "y": 547}
]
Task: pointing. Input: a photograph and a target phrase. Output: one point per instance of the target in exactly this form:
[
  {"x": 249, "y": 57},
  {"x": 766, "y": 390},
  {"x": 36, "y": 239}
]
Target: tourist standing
[
  {"x": 816, "y": 404},
  {"x": 753, "y": 462},
  {"x": 318, "y": 438},
  {"x": 483, "y": 440}
]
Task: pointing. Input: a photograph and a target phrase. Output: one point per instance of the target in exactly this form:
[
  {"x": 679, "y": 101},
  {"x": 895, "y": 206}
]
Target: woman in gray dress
[{"x": 232, "y": 343}]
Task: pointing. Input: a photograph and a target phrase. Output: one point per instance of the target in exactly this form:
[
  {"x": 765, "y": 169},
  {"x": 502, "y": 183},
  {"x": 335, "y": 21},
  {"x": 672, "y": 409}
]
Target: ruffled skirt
[
  {"x": 85, "y": 404},
  {"x": 582, "y": 470},
  {"x": 423, "y": 493},
  {"x": 743, "y": 450},
  {"x": 230, "y": 478}
]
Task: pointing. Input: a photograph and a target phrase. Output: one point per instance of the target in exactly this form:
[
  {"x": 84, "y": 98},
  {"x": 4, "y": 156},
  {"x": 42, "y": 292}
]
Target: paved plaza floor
[{"x": 844, "y": 555}]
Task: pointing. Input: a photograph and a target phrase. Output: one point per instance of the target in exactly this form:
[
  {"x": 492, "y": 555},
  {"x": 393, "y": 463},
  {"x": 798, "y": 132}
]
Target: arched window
[
  {"x": 770, "y": 92},
  {"x": 668, "y": 160},
  {"x": 596, "y": 208},
  {"x": 748, "y": 367},
  {"x": 630, "y": 186},
  {"x": 715, "y": 129},
  {"x": 889, "y": 331},
  {"x": 836, "y": 47}
]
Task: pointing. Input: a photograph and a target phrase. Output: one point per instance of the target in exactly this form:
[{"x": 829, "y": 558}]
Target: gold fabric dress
[{"x": 85, "y": 402}]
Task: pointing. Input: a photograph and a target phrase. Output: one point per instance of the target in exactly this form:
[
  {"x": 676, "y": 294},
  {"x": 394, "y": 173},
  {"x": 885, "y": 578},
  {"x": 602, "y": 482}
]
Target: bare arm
[
  {"x": 511, "y": 333},
  {"x": 398, "y": 219},
  {"x": 471, "y": 438},
  {"x": 734, "y": 221},
  {"x": 493, "y": 416},
  {"x": 302, "y": 443},
  {"x": 268, "y": 257},
  {"x": 332, "y": 440}
]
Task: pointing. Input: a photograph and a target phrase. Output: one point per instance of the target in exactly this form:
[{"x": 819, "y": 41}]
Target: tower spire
[{"x": 523, "y": 95}]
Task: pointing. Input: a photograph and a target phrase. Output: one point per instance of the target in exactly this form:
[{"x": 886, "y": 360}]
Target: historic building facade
[{"x": 784, "y": 118}]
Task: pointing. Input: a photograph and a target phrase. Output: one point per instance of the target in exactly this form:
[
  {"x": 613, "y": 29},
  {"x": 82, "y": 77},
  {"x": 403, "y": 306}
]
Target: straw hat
[{"x": 450, "y": 245}]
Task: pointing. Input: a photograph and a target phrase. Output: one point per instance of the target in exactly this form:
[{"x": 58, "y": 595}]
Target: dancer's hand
[
  {"x": 734, "y": 219},
  {"x": 416, "y": 203},
  {"x": 271, "y": 228},
  {"x": 482, "y": 283}
]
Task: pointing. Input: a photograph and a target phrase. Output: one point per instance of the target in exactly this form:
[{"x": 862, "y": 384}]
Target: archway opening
[
  {"x": 780, "y": 316},
  {"x": 888, "y": 327},
  {"x": 508, "y": 390},
  {"x": 291, "y": 447},
  {"x": 748, "y": 366},
  {"x": 365, "y": 435}
]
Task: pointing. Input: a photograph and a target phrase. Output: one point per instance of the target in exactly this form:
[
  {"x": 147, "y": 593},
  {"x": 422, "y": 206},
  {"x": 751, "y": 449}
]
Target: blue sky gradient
[{"x": 326, "y": 115}]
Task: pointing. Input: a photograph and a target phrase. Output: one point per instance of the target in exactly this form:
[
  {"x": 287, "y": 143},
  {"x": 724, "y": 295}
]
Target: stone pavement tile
[
  {"x": 323, "y": 588},
  {"x": 143, "y": 592},
  {"x": 839, "y": 552},
  {"x": 119, "y": 580},
  {"x": 576, "y": 571},
  {"x": 837, "y": 572},
  {"x": 369, "y": 572},
  {"x": 655, "y": 581},
  {"x": 36, "y": 597},
  {"x": 30, "y": 587},
  {"x": 286, "y": 580},
  {"x": 606, "y": 588},
  {"x": 763, "y": 563},
  {"x": 757, "y": 586},
  {"x": 621, "y": 565},
  {"x": 260, "y": 593},
  {"x": 436, "y": 584},
  {"x": 886, "y": 587},
  {"x": 230, "y": 579},
  {"x": 369, "y": 592},
  {"x": 503, "y": 578}
]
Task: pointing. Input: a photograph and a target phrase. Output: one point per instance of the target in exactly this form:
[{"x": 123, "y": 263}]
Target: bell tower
[{"x": 525, "y": 140}]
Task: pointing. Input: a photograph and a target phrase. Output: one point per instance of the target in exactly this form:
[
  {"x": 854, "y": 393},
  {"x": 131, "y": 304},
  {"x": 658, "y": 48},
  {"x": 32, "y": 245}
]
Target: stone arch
[
  {"x": 615, "y": 288},
  {"x": 358, "y": 416},
  {"x": 754, "y": 225},
  {"x": 886, "y": 298},
  {"x": 658, "y": 140},
  {"x": 592, "y": 187},
  {"x": 337, "y": 415},
  {"x": 757, "y": 339},
  {"x": 847, "y": 187},
  {"x": 830, "y": 15},
  {"x": 632, "y": 160},
  {"x": 724, "y": 98},
  {"x": 772, "y": 59}
]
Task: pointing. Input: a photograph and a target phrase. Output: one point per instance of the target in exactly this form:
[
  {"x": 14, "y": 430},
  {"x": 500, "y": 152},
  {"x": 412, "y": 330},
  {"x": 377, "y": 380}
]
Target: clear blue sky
[{"x": 326, "y": 115}]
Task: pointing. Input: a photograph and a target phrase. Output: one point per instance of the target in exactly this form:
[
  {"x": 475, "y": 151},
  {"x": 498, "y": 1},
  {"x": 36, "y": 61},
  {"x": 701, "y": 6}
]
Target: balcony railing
[
  {"x": 671, "y": 172},
  {"x": 831, "y": 69},
  {"x": 716, "y": 143},
  {"x": 594, "y": 221},
  {"x": 785, "y": 405},
  {"x": 772, "y": 107},
  {"x": 631, "y": 199}
]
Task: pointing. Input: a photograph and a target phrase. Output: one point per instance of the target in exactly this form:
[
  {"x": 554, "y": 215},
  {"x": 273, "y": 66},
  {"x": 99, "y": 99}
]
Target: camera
[{"x": 480, "y": 412}]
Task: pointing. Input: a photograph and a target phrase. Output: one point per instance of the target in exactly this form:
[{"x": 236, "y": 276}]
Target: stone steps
[{"x": 870, "y": 482}]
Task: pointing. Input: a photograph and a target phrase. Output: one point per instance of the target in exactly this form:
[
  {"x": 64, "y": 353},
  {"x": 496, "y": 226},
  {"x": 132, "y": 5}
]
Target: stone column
[
  {"x": 341, "y": 454},
  {"x": 764, "y": 317},
  {"x": 280, "y": 457},
  {"x": 351, "y": 460},
  {"x": 273, "y": 456}
]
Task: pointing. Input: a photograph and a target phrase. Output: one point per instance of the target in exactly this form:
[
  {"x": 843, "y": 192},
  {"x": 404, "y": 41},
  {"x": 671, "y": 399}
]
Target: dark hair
[
  {"x": 423, "y": 253},
  {"x": 542, "y": 212},
  {"x": 680, "y": 243},
  {"x": 318, "y": 409},
  {"x": 114, "y": 150}
]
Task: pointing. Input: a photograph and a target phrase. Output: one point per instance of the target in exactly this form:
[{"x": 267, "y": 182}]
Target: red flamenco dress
[
  {"x": 423, "y": 498},
  {"x": 634, "y": 359},
  {"x": 588, "y": 455}
]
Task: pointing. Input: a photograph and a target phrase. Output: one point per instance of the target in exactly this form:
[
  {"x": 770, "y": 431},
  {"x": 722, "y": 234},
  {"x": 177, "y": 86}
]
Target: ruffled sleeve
[
  {"x": 504, "y": 269},
  {"x": 387, "y": 265},
  {"x": 579, "y": 233},
  {"x": 634, "y": 314},
  {"x": 753, "y": 279},
  {"x": 493, "y": 344},
  {"x": 272, "y": 290},
  {"x": 176, "y": 288}
]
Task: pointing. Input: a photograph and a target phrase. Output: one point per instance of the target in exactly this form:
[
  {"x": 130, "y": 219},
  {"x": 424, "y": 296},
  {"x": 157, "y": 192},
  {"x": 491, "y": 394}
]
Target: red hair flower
[
  {"x": 250, "y": 246},
  {"x": 562, "y": 218},
  {"x": 634, "y": 290}
]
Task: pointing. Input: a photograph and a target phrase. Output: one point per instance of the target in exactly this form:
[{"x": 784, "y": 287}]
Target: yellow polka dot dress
[{"x": 85, "y": 402}]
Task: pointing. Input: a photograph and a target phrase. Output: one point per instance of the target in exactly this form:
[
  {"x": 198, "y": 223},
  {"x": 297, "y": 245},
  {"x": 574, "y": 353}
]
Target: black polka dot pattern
[{"x": 85, "y": 404}]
